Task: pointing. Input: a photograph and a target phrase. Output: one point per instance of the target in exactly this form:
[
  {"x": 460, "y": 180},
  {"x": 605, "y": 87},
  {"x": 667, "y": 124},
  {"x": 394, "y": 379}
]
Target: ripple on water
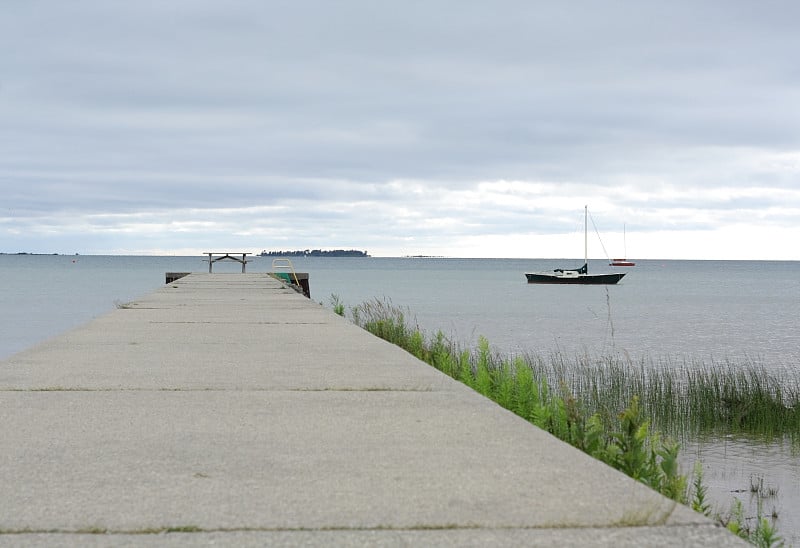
[{"x": 740, "y": 468}]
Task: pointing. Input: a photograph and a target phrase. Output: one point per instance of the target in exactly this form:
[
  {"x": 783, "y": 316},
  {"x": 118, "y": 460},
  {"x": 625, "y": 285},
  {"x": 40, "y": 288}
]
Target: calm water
[{"x": 665, "y": 311}]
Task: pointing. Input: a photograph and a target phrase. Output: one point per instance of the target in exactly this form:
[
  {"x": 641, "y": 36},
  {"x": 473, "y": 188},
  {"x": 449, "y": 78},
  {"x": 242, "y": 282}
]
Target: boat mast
[
  {"x": 586, "y": 235},
  {"x": 624, "y": 241}
]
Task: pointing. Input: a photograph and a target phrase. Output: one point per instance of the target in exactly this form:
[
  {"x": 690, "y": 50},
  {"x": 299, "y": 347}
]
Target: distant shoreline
[
  {"x": 316, "y": 253},
  {"x": 26, "y": 253}
]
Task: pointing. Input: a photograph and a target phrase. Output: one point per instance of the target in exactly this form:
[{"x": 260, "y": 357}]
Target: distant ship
[{"x": 622, "y": 262}]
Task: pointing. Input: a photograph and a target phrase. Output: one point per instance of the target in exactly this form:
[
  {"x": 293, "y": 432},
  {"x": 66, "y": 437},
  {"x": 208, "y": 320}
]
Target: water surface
[{"x": 672, "y": 312}]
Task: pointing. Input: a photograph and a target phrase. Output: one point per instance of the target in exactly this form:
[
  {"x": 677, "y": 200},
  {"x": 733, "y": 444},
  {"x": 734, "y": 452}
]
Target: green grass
[
  {"x": 697, "y": 399},
  {"x": 687, "y": 399},
  {"x": 336, "y": 304},
  {"x": 624, "y": 441},
  {"x": 615, "y": 409}
]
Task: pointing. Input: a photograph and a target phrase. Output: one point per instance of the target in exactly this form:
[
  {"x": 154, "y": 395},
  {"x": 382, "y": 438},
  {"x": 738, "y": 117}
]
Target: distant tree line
[{"x": 316, "y": 253}]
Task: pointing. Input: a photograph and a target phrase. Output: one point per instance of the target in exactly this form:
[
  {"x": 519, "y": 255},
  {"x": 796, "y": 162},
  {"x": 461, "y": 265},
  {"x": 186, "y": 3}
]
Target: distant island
[
  {"x": 26, "y": 253},
  {"x": 316, "y": 253}
]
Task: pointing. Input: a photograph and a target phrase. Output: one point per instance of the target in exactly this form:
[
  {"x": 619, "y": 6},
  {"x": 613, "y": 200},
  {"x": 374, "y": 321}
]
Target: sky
[{"x": 451, "y": 128}]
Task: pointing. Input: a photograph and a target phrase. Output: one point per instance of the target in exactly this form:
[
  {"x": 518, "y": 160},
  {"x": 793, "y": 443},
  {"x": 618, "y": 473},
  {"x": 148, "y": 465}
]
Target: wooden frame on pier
[{"x": 226, "y": 255}]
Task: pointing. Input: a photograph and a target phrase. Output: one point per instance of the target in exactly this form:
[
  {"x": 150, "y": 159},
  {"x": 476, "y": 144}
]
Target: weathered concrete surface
[{"x": 227, "y": 409}]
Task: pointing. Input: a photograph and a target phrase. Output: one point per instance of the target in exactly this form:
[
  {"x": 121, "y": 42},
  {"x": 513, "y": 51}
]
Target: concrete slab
[
  {"x": 627, "y": 537},
  {"x": 224, "y": 408},
  {"x": 268, "y": 338}
]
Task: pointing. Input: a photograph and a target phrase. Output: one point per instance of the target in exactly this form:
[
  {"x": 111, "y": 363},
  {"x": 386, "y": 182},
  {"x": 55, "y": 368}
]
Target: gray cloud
[{"x": 381, "y": 122}]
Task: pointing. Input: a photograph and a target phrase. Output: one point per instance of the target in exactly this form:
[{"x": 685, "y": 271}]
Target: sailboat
[
  {"x": 579, "y": 275},
  {"x": 622, "y": 262}
]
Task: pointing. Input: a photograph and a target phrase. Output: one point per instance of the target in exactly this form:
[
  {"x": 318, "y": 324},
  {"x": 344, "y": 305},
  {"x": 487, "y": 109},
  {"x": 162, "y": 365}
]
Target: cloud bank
[{"x": 449, "y": 128}]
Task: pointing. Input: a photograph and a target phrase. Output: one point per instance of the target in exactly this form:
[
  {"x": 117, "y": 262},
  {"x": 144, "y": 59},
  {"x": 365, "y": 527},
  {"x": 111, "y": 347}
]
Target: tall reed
[
  {"x": 680, "y": 398},
  {"x": 683, "y": 399}
]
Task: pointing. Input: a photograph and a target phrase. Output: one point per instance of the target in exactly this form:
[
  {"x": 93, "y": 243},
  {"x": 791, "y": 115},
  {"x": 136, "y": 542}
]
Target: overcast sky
[{"x": 456, "y": 128}]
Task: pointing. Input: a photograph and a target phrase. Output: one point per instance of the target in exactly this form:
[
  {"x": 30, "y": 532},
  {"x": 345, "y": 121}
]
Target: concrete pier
[{"x": 228, "y": 409}]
